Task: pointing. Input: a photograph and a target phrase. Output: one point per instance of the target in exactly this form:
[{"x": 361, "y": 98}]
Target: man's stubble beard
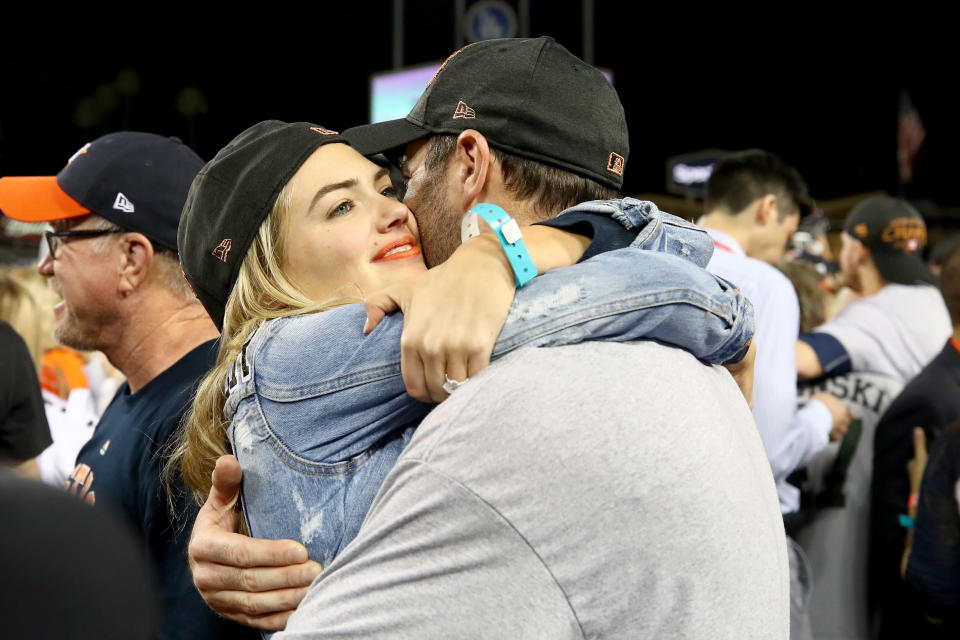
[
  {"x": 68, "y": 331},
  {"x": 437, "y": 219}
]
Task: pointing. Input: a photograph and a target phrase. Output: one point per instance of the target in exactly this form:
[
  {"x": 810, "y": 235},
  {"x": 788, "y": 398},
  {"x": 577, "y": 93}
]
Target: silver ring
[{"x": 452, "y": 385}]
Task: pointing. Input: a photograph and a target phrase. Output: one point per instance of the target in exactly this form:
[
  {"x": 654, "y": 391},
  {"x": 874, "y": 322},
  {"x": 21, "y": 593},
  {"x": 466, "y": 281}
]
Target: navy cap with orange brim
[
  {"x": 37, "y": 199},
  {"x": 138, "y": 181}
]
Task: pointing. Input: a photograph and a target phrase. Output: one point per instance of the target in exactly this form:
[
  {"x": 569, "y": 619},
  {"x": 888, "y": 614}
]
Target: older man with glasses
[{"x": 113, "y": 258}]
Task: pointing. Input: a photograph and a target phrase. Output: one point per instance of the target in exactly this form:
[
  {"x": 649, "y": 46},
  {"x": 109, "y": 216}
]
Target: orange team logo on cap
[
  {"x": 324, "y": 131},
  {"x": 860, "y": 229},
  {"x": 906, "y": 234},
  {"x": 615, "y": 163},
  {"x": 222, "y": 249},
  {"x": 463, "y": 111},
  {"x": 82, "y": 150}
]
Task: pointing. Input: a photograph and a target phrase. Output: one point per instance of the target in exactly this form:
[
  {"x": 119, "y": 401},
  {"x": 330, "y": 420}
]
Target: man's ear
[
  {"x": 767, "y": 212},
  {"x": 136, "y": 258},
  {"x": 472, "y": 167}
]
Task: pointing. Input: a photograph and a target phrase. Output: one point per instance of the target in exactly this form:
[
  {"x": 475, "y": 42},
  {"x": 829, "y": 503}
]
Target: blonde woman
[{"x": 284, "y": 230}]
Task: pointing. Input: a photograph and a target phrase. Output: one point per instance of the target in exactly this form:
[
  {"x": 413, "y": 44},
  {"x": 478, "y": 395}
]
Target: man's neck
[
  {"x": 728, "y": 224},
  {"x": 871, "y": 282},
  {"x": 150, "y": 342}
]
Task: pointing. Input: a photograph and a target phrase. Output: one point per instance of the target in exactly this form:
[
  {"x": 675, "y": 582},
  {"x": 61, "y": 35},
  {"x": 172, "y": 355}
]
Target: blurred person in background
[
  {"x": 753, "y": 204},
  {"x": 114, "y": 210},
  {"x": 932, "y": 569},
  {"x": 941, "y": 251},
  {"x": 932, "y": 401},
  {"x": 898, "y": 321},
  {"x": 807, "y": 281},
  {"x": 68, "y": 404},
  {"x": 23, "y": 426}
]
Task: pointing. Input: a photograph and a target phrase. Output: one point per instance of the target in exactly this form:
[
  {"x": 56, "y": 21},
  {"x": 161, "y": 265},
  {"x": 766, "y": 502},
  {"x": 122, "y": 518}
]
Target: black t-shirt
[
  {"x": 24, "y": 433},
  {"x": 120, "y": 468}
]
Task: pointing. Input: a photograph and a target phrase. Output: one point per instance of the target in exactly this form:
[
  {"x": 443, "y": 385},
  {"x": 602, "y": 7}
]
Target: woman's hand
[{"x": 454, "y": 312}]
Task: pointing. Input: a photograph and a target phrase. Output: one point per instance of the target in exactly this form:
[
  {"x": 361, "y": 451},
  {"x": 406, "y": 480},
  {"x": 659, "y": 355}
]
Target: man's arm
[
  {"x": 808, "y": 363},
  {"x": 254, "y": 582}
]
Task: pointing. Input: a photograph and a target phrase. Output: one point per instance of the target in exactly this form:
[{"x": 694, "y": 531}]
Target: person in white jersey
[
  {"x": 754, "y": 201},
  {"x": 898, "y": 322}
]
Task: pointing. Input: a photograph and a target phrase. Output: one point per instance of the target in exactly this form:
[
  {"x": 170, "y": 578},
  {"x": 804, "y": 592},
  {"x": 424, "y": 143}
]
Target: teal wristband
[{"x": 508, "y": 233}]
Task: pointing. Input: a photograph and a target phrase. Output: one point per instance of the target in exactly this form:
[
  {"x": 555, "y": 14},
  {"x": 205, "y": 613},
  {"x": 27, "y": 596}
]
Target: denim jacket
[{"x": 319, "y": 414}]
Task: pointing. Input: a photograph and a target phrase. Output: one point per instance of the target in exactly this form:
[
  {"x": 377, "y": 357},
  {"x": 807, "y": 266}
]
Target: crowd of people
[{"x": 437, "y": 377}]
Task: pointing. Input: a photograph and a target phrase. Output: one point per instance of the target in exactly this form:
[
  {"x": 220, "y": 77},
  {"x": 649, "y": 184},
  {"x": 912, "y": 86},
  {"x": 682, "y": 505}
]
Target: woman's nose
[{"x": 394, "y": 214}]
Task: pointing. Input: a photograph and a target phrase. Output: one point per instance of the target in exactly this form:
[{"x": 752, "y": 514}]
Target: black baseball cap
[
  {"x": 528, "y": 97},
  {"x": 137, "y": 181},
  {"x": 232, "y": 196},
  {"x": 895, "y": 234}
]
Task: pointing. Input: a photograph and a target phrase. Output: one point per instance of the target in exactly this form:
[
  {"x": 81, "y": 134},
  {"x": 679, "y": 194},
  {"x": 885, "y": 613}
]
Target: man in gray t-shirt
[
  {"x": 658, "y": 521},
  {"x": 899, "y": 321}
]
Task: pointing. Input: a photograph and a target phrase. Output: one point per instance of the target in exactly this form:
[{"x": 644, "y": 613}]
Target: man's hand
[
  {"x": 840, "y": 413},
  {"x": 255, "y": 582},
  {"x": 742, "y": 373}
]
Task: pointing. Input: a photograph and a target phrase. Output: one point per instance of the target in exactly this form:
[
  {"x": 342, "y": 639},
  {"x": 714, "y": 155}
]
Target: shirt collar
[{"x": 725, "y": 242}]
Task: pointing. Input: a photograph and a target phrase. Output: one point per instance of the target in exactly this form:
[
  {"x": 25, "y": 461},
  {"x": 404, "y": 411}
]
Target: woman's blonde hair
[{"x": 262, "y": 292}]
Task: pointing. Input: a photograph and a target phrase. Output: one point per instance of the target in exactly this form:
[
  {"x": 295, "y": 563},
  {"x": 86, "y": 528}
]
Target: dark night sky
[{"x": 824, "y": 95}]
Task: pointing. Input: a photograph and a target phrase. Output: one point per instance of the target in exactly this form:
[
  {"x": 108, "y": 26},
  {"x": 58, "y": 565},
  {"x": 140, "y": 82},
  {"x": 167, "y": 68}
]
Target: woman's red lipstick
[{"x": 399, "y": 249}]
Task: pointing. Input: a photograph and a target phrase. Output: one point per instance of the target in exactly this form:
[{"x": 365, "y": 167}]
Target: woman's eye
[
  {"x": 389, "y": 192},
  {"x": 341, "y": 209}
]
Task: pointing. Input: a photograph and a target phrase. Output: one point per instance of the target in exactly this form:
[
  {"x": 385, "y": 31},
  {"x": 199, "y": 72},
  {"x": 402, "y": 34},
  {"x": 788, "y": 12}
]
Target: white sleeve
[{"x": 791, "y": 437}]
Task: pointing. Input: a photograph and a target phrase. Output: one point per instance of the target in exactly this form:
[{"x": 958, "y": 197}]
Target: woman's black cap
[{"x": 232, "y": 196}]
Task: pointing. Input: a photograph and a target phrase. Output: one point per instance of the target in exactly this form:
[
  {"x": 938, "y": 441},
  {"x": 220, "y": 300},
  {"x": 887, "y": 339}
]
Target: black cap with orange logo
[
  {"x": 529, "y": 97},
  {"x": 894, "y": 232}
]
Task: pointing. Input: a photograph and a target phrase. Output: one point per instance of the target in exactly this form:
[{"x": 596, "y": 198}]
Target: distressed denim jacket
[{"x": 319, "y": 414}]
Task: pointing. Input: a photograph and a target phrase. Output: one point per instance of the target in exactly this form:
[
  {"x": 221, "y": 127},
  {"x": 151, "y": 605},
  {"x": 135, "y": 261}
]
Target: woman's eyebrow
[{"x": 344, "y": 184}]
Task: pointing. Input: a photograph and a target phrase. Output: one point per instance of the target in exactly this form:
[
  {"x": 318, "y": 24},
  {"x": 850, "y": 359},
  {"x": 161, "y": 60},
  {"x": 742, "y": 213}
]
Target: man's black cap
[
  {"x": 895, "y": 234},
  {"x": 528, "y": 97},
  {"x": 232, "y": 196},
  {"x": 137, "y": 181}
]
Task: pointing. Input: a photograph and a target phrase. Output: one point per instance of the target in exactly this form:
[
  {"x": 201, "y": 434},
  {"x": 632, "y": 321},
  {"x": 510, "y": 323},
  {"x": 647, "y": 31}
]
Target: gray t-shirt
[
  {"x": 590, "y": 491},
  {"x": 895, "y": 332}
]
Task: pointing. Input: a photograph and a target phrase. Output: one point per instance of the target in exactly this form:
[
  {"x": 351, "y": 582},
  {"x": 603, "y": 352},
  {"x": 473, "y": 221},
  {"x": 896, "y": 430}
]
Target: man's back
[{"x": 595, "y": 490}]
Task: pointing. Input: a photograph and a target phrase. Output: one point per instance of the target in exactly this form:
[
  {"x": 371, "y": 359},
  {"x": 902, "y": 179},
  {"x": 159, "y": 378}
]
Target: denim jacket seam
[
  {"x": 303, "y": 465},
  {"x": 328, "y": 386}
]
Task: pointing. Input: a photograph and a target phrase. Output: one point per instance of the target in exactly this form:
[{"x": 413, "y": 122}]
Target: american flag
[{"x": 910, "y": 135}]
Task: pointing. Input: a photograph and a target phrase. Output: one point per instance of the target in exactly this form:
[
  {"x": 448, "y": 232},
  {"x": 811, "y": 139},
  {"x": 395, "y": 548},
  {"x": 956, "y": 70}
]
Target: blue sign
[{"x": 490, "y": 19}]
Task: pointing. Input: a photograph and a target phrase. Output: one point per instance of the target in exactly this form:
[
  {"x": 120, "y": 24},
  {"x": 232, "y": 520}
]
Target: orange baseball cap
[{"x": 37, "y": 199}]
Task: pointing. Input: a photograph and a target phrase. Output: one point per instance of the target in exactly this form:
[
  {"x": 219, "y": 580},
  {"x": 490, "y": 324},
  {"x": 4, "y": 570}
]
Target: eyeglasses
[{"x": 54, "y": 241}]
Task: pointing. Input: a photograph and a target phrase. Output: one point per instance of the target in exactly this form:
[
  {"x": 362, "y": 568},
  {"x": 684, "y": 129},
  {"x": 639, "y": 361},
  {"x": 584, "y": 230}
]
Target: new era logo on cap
[
  {"x": 615, "y": 163},
  {"x": 463, "y": 111},
  {"x": 122, "y": 203},
  {"x": 222, "y": 249}
]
